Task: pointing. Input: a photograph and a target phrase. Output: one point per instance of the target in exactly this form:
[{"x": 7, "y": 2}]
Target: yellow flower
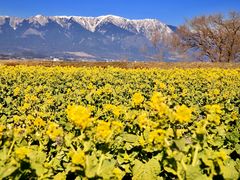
[
  {"x": 39, "y": 122},
  {"x": 157, "y": 98},
  {"x": 79, "y": 115},
  {"x": 26, "y": 106},
  {"x": 222, "y": 154},
  {"x": 116, "y": 110},
  {"x": 171, "y": 89},
  {"x": 158, "y": 103},
  {"x": 2, "y": 127},
  {"x": 78, "y": 157},
  {"x": 141, "y": 141},
  {"x": 54, "y": 131},
  {"x": 213, "y": 118},
  {"x": 103, "y": 131},
  {"x": 107, "y": 107},
  {"x": 162, "y": 108},
  {"x": 22, "y": 152},
  {"x": 137, "y": 98},
  {"x": 180, "y": 132},
  {"x": 30, "y": 118},
  {"x": 144, "y": 122},
  {"x": 16, "y": 118},
  {"x": 16, "y": 91},
  {"x": 157, "y": 136},
  {"x": 162, "y": 85},
  {"x": 19, "y": 131},
  {"x": 118, "y": 173},
  {"x": 169, "y": 132},
  {"x": 234, "y": 115},
  {"x": 29, "y": 97},
  {"x": 117, "y": 126},
  {"x": 215, "y": 108},
  {"x": 183, "y": 114},
  {"x": 216, "y": 91}
]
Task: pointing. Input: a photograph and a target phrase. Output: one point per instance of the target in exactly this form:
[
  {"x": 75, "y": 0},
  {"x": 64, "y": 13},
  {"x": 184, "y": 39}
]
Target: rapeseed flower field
[{"x": 113, "y": 123}]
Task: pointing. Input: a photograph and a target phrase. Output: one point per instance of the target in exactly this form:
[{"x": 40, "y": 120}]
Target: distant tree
[
  {"x": 143, "y": 49},
  {"x": 159, "y": 39},
  {"x": 156, "y": 37},
  {"x": 215, "y": 38}
]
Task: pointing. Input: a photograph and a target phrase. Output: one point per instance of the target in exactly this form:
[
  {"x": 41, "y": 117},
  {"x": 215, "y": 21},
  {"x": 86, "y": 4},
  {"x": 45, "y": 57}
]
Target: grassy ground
[{"x": 163, "y": 65}]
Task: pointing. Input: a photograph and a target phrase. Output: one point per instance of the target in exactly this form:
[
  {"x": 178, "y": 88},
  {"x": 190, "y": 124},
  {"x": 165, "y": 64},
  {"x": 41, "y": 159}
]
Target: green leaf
[
  {"x": 8, "y": 169},
  {"x": 237, "y": 147},
  {"x": 207, "y": 161},
  {"x": 181, "y": 144},
  {"x": 170, "y": 170},
  {"x": 106, "y": 170},
  {"x": 3, "y": 155},
  {"x": 68, "y": 126},
  {"x": 194, "y": 173},
  {"x": 128, "y": 146},
  {"x": 146, "y": 171},
  {"x": 233, "y": 136},
  {"x": 87, "y": 146},
  {"x": 68, "y": 139},
  {"x": 8, "y": 100},
  {"x": 37, "y": 156},
  {"x": 3, "y": 118},
  {"x": 131, "y": 138},
  {"x": 60, "y": 176},
  {"x": 229, "y": 171},
  {"x": 217, "y": 141},
  {"x": 91, "y": 166},
  {"x": 238, "y": 165},
  {"x": 40, "y": 170}
]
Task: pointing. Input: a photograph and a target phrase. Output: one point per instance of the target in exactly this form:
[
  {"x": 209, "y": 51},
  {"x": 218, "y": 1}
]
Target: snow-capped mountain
[{"x": 109, "y": 37}]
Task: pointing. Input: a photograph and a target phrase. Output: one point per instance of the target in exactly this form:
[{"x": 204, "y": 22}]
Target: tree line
[{"x": 214, "y": 38}]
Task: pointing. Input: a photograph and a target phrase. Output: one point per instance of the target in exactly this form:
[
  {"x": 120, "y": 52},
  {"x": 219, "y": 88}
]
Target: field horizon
[{"x": 120, "y": 64}]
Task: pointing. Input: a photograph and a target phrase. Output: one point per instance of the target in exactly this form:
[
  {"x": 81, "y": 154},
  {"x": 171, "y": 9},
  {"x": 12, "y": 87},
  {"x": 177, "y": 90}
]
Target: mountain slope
[{"x": 104, "y": 37}]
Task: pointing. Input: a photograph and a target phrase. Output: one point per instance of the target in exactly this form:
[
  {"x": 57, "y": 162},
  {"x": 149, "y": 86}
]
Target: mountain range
[{"x": 80, "y": 38}]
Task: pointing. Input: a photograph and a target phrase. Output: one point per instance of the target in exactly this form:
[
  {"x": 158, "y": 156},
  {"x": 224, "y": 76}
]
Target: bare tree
[
  {"x": 214, "y": 37},
  {"x": 159, "y": 39},
  {"x": 143, "y": 49},
  {"x": 156, "y": 37}
]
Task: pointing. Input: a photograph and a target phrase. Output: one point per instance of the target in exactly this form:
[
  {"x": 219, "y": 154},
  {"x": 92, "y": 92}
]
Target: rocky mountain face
[{"x": 74, "y": 37}]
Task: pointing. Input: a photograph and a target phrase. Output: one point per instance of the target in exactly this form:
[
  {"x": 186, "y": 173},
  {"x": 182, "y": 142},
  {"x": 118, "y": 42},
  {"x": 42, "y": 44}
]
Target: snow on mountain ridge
[
  {"x": 13, "y": 21},
  {"x": 40, "y": 19},
  {"x": 138, "y": 26},
  {"x": 145, "y": 26}
]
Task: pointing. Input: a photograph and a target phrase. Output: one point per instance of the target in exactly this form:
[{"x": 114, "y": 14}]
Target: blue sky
[{"x": 168, "y": 11}]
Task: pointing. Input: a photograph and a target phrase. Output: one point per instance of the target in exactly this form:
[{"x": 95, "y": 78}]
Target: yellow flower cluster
[
  {"x": 54, "y": 131},
  {"x": 144, "y": 122},
  {"x": 116, "y": 110},
  {"x": 22, "y": 152},
  {"x": 137, "y": 98},
  {"x": 117, "y": 126},
  {"x": 183, "y": 114},
  {"x": 158, "y": 103},
  {"x": 79, "y": 115},
  {"x": 78, "y": 157},
  {"x": 39, "y": 122},
  {"x": 214, "y": 112},
  {"x": 2, "y": 127},
  {"x": 214, "y": 109},
  {"x": 103, "y": 131},
  {"x": 157, "y": 136}
]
